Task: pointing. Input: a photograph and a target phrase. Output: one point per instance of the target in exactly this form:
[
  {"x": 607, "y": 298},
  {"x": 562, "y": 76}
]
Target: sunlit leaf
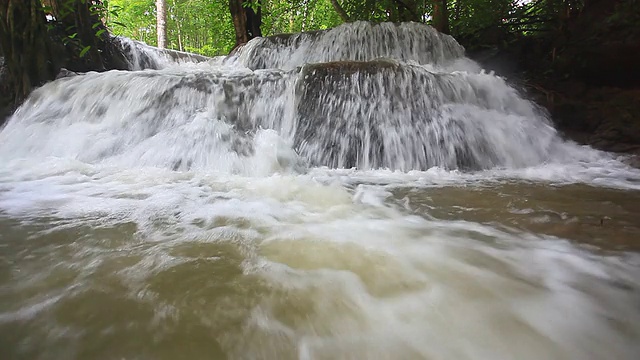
[{"x": 85, "y": 50}]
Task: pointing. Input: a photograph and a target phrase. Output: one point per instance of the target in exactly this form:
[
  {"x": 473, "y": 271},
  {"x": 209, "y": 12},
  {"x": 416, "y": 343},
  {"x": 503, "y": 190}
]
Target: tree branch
[
  {"x": 340, "y": 10},
  {"x": 408, "y": 8}
]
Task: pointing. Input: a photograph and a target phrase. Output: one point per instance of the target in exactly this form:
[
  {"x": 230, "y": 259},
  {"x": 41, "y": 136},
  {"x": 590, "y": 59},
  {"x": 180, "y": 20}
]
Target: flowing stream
[{"x": 364, "y": 192}]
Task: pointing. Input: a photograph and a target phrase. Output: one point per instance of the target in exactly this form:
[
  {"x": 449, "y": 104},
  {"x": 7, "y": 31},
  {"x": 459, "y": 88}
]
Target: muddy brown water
[{"x": 517, "y": 270}]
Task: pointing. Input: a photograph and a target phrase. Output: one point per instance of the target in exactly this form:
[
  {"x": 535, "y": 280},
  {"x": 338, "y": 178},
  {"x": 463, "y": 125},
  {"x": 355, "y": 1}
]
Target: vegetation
[
  {"x": 38, "y": 38},
  {"x": 214, "y": 27},
  {"x": 557, "y": 39}
]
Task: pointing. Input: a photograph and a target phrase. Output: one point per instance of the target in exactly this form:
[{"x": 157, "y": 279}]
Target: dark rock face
[
  {"x": 615, "y": 115},
  {"x": 65, "y": 73},
  {"x": 605, "y": 117},
  {"x": 633, "y": 160},
  {"x": 328, "y": 104},
  {"x": 601, "y": 93},
  {"x": 612, "y": 64},
  {"x": 386, "y": 114},
  {"x": 6, "y": 93},
  {"x": 587, "y": 77}
]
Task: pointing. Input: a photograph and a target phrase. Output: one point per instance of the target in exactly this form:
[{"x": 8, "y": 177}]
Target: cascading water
[
  {"x": 361, "y": 192},
  {"x": 142, "y": 56},
  {"x": 358, "y": 41},
  {"x": 342, "y": 114}
]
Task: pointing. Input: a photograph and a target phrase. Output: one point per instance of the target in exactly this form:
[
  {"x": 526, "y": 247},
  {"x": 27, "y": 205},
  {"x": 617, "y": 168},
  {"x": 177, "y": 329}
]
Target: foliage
[
  {"x": 200, "y": 26},
  {"x": 63, "y": 12},
  {"x": 298, "y": 15},
  {"x": 625, "y": 19},
  {"x": 134, "y": 18},
  {"x": 205, "y": 26}
]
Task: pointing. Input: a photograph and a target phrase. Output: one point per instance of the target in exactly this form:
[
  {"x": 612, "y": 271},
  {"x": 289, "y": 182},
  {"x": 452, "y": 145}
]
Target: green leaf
[
  {"x": 100, "y": 32},
  {"x": 85, "y": 50}
]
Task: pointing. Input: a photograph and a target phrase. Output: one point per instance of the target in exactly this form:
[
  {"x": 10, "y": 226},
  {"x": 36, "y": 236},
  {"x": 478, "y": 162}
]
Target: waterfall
[
  {"x": 357, "y": 41},
  {"x": 401, "y": 97},
  {"x": 142, "y": 56}
]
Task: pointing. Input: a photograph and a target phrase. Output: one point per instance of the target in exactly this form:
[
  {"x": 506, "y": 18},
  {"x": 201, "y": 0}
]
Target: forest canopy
[{"x": 207, "y": 26}]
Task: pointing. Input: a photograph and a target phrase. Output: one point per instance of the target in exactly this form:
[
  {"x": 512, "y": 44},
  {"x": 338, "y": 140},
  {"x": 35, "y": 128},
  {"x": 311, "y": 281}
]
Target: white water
[
  {"x": 357, "y": 41},
  {"x": 395, "y": 116},
  {"x": 198, "y": 155},
  {"x": 142, "y": 56}
]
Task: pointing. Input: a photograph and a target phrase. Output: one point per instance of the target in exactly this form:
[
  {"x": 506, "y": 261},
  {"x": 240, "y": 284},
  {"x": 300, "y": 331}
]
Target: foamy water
[{"x": 211, "y": 211}]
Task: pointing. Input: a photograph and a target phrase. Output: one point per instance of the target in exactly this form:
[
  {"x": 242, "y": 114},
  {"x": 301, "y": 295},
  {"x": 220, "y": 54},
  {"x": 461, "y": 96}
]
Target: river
[{"x": 305, "y": 199}]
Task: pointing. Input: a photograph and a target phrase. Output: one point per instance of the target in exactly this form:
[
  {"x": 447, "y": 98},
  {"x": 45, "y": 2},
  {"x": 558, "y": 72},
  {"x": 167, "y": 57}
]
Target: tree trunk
[
  {"x": 180, "y": 41},
  {"x": 23, "y": 39},
  {"x": 407, "y": 10},
  {"x": 440, "y": 16},
  {"x": 36, "y": 50},
  {"x": 246, "y": 21},
  {"x": 254, "y": 19},
  {"x": 92, "y": 48},
  {"x": 340, "y": 10},
  {"x": 161, "y": 23},
  {"x": 239, "y": 22},
  {"x": 291, "y": 21},
  {"x": 177, "y": 17},
  {"x": 305, "y": 15}
]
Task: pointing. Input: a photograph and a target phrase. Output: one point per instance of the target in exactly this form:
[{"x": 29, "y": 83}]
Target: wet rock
[
  {"x": 586, "y": 75},
  {"x": 386, "y": 114},
  {"x": 610, "y": 118},
  {"x": 342, "y": 68},
  {"x": 181, "y": 55},
  {"x": 142, "y": 56},
  {"x": 65, "y": 73},
  {"x": 633, "y": 161},
  {"x": 6, "y": 93}
]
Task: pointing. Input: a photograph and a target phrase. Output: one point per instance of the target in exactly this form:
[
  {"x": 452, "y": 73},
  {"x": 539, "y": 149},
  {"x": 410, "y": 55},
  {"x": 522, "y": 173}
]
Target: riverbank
[{"x": 585, "y": 74}]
